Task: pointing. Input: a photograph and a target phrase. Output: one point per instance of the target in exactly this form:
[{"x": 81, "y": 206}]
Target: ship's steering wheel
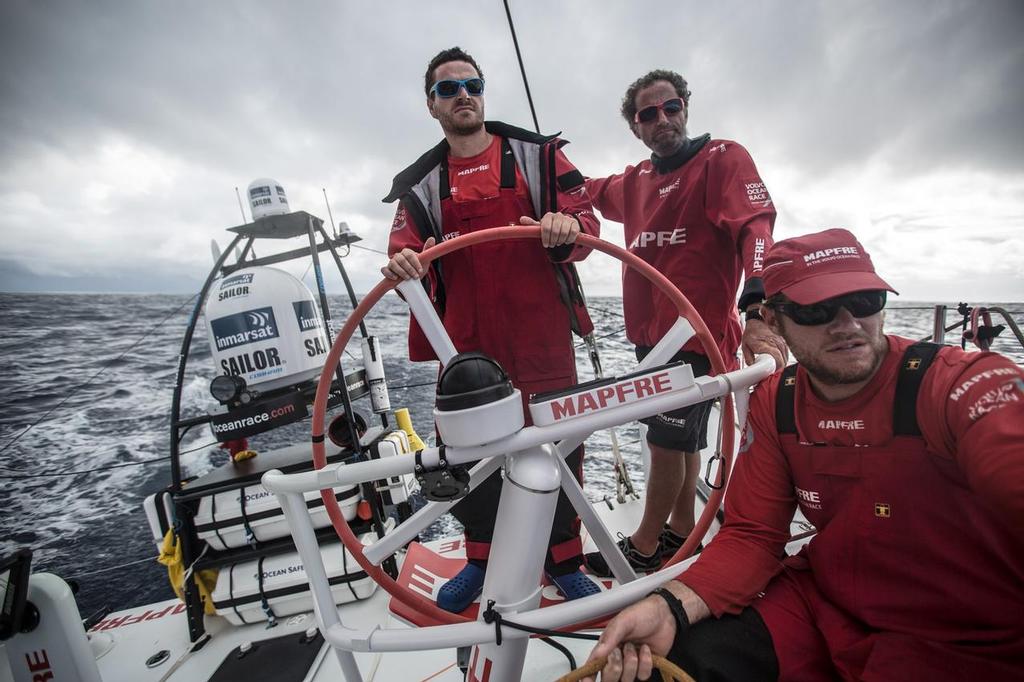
[{"x": 432, "y": 614}]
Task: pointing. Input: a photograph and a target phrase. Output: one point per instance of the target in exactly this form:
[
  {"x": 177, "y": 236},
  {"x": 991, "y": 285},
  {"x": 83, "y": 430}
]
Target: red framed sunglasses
[{"x": 669, "y": 106}]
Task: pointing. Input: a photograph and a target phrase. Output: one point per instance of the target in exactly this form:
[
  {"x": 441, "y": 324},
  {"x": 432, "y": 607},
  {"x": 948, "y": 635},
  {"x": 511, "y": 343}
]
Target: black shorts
[
  {"x": 685, "y": 429},
  {"x": 733, "y": 647}
]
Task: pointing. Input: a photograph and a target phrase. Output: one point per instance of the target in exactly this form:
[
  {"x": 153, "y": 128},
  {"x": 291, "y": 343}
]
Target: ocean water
[{"x": 87, "y": 392}]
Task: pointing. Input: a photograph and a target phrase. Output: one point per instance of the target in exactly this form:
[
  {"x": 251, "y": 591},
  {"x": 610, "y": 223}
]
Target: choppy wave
[{"x": 111, "y": 361}]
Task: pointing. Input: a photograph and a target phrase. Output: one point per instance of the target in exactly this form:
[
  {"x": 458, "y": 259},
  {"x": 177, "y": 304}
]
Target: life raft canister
[{"x": 264, "y": 325}]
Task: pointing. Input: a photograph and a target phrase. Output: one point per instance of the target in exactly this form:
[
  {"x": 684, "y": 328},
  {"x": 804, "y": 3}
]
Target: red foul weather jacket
[
  {"x": 703, "y": 218},
  {"x": 511, "y": 299},
  {"x": 918, "y": 563}
]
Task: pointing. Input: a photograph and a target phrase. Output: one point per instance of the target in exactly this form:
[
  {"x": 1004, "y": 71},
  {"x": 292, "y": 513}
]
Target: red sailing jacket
[
  {"x": 702, "y": 225},
  {"x": 920, "y": 541},
  {"x": 501, "y": 298}
]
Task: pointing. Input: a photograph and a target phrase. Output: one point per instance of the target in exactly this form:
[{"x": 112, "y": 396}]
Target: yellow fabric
[
  {"x": 242, "y": 455},
  {"x": 405, "y": 423},
  {"x": 206, "y": 580}
]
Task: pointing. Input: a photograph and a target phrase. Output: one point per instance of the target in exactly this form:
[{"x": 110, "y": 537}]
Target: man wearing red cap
[{"x": 908, "y": 459}]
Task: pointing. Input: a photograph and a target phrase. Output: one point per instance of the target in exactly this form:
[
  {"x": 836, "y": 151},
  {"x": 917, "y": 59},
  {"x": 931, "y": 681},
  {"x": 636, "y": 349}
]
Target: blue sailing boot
[
  {"x": 458, "y": 593},
  {"x": 575, "y": 585}
]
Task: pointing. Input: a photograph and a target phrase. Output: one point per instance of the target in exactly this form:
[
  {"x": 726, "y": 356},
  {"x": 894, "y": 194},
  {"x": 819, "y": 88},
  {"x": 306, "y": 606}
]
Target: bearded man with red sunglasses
[
  {"x": 698, "y": 211},
  {"x": 517, "y": 301},
  {"x": 909, "y": 460}
]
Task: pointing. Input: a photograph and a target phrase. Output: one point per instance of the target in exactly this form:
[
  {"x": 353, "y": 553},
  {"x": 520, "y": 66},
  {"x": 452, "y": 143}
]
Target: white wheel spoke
[
  {"x": 423, "y": 311},
  {"x": 677, "y": 335},
  {"x": 620, "y": 568},
  {"x": 405, "y": 533}
]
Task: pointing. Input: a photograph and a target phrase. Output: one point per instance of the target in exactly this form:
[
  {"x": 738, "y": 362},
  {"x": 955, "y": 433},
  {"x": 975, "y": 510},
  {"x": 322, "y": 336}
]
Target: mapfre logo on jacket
[{"x": 676, "y": 237}]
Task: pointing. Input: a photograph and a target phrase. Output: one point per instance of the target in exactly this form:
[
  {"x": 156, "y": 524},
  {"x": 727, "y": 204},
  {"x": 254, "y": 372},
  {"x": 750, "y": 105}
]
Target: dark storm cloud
[
  {"x": 207, "y": 96},
  {"x": 823, "y": 84}
]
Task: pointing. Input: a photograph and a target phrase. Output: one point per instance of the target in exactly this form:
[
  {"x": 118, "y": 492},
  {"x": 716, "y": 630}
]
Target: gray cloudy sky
[{"x": 127, "y": 125}]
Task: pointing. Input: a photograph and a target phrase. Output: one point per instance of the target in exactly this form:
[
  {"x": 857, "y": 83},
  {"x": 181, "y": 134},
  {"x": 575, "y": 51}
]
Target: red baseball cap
[{"x": 819, "y": 266}]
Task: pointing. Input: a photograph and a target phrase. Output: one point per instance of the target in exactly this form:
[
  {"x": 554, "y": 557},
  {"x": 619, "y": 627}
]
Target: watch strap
[{"x": 675, "y": 606}]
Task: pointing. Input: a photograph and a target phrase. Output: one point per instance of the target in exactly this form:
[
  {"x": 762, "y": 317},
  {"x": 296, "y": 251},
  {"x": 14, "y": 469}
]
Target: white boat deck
[{"x": 126, "y": 640}]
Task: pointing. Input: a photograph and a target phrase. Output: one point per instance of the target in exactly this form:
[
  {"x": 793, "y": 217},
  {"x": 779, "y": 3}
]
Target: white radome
[
  {"x": 266, "y": 198},
  {"x": 264, "y": 325}
]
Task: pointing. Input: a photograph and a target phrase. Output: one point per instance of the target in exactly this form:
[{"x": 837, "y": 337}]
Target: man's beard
[
  {"x": 666, "y": 147},
  {"x": 450, "y": 123},
  {"x": 836, "y": 374}
]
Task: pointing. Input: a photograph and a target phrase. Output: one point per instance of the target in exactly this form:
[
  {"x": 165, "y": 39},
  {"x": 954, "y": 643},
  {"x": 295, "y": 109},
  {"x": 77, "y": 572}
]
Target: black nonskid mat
[{"x": 282, "y": 659}]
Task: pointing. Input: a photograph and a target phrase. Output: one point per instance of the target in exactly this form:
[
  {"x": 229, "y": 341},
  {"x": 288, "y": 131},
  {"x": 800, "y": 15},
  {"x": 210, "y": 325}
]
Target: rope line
[
  {"x": 201, "y": 447},
  {"x": 491, "y": 616},
  {"x": 559, "y": 647},
  {"x": 952, "y": 309},
  {"x": 8, "y": 474},
  {"x": 603, "y": 336},
  {"x": 111, "y": 568},
  {"x": 94, "y": 376},
  {"x": 426, "y": 383},
  {"x": 668, "y": 670},
  {"x": 606, "y": 311},
  {"x": 367, "y": 248},
  {"x": 18, "y": 477}
]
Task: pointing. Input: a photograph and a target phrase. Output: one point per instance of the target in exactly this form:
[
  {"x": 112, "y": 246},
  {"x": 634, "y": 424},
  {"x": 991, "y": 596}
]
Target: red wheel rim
[{"x": 431, "y": 612}]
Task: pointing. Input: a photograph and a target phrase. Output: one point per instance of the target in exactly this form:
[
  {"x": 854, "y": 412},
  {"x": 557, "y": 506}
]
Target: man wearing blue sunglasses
[
  {"x": 908, "y": 459},
  {"x": 517, "y": 301},
  {"x": 697, "y": 211}
]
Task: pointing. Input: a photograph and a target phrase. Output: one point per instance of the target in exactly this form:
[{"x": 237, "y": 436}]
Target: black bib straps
[
  {"x": 916, "y": 361},
  {"x": 913, "y": 366}
]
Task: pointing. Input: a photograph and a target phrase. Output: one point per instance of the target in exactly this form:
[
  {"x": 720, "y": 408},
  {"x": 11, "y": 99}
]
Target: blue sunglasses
[{"x": 450, "y": 88}]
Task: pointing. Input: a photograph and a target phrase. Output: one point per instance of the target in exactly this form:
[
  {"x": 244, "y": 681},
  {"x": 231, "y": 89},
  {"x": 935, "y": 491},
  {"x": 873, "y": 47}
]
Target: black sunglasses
[
  {"x": 669, "y": 106},
  {"x": 450, "y": 88},
  {"x": 859, "y": 303}
]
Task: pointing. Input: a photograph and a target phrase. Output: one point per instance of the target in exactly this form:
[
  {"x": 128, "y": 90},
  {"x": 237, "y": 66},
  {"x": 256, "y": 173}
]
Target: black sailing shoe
[
  {"x": 670, "y": 541},
  {"x": 641, "y": 563}
]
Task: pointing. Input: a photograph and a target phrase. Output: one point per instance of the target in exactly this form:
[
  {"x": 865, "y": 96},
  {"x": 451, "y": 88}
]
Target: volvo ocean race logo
[
  {"x": 264, "y": 415},
  {"x": 245, "y": 327}
]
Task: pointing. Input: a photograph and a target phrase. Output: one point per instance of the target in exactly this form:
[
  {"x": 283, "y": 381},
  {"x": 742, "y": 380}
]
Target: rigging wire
[
  {"x": 17, "y": 477},
  {"x": 12, "y": 474},
  {"x": 368, "y": 248},
  {"x": 94, "y": 376},
  {"x": 426, "y": 383},
  {"x": 522, "y": 69},
  {"x": 603, "y": 336},
  {"x": 111, "y": 568}
]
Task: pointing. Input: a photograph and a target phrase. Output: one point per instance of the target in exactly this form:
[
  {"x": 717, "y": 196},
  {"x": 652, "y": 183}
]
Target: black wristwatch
[
  {"x": 754, "y": 314},
  {"x": 675, "y": 606}
]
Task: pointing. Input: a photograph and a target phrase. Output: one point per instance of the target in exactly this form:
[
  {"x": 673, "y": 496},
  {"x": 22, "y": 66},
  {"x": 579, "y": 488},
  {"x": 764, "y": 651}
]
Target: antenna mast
[
  {"x": 334, "y": 225},
  {"x": 241, "y": 210}
]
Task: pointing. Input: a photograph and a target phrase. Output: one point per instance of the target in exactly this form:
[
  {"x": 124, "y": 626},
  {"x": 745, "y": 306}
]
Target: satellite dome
[{"x": 266, "y": 198}]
